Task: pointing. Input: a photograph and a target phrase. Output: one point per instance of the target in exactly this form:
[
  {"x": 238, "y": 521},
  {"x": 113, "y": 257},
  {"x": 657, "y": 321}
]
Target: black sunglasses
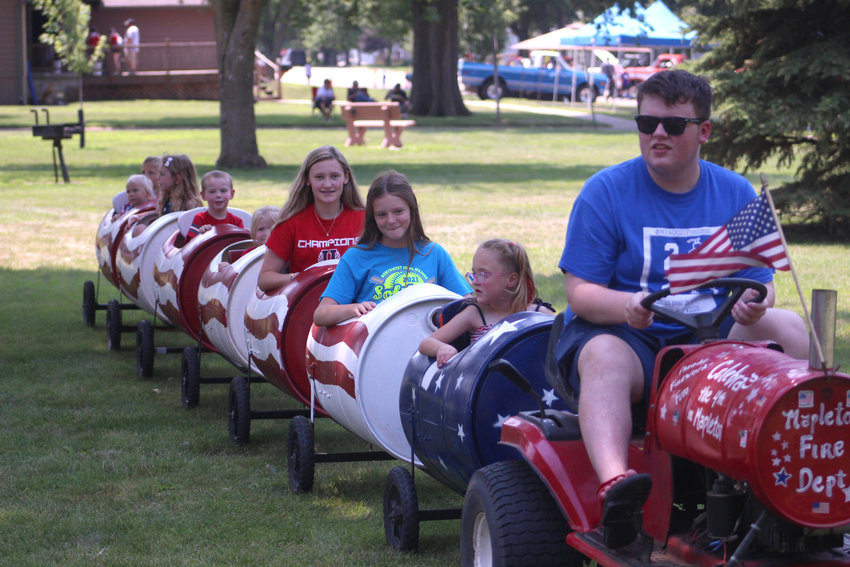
[{"x": 673, "y": 125}]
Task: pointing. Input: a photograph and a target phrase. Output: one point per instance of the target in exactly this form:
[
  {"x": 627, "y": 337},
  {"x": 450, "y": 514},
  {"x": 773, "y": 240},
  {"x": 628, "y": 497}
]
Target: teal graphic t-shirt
[{"x": 377, "y": 273}]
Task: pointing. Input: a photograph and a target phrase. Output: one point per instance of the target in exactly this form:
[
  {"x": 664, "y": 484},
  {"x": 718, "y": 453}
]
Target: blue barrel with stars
[{"x": 452, "y": 416}]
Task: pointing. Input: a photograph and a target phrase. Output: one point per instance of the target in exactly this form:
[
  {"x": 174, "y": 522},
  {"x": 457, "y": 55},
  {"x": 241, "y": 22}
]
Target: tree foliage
[
  {"x": 66, "y": 30},
  {"x": 482, "y": 19},
  {"x": 780, "y": 72}
]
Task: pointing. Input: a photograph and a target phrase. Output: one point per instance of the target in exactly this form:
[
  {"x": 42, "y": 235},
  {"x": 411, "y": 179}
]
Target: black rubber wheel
[
  {"x": 490, "y": 90},
  {"x": 144, "y": 349},
  {"x": 300, "y": 455},
  {"x": 113, "y": 325},
  {"x": 510, "y": 519},
  {"x": 401, "y": 511},
  {"x": 239, "y": 411},
  {"x": 89, "y": 303},
  {"x": 585, "y": 93},
  {"x": 190, "y": 378}
]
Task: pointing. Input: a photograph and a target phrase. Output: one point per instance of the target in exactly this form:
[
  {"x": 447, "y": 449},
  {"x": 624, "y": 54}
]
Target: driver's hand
[
  {"x": 636, "y": 316},
  {"x": 747, "y": 313}
]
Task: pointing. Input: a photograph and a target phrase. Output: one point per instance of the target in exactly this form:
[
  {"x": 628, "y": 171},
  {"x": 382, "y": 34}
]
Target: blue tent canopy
[{"x": 655, "y": 26}]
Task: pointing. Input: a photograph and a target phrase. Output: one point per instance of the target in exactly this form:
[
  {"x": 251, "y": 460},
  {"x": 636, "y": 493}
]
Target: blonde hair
[
  {"x": 300, "y": 193},
  {"x": 216, "y": 174},
  {"x": 268, "y": 213},
  {"x": 513, "y": 258},
  {"x": 147, "y": 184},
  {"x": 184, "y": 195}
]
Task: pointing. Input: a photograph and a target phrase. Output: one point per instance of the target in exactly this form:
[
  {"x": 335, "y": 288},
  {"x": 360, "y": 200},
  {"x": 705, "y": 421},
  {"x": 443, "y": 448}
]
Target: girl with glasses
[
  {"x": 393, "y": 253},
  {"x": 503, "y": 285}
]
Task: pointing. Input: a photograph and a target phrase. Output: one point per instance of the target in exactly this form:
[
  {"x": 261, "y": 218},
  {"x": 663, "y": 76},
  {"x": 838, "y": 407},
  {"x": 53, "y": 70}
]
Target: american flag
[{"x": 751, "y": 238}]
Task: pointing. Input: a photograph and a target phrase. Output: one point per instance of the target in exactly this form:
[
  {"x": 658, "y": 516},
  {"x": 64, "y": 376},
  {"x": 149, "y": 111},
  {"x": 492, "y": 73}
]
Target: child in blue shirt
[{"x": 393, "y": 253}]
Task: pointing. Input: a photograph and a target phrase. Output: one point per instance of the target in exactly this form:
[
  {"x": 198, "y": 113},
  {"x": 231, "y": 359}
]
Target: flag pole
[{"x": 809, "y": 323}]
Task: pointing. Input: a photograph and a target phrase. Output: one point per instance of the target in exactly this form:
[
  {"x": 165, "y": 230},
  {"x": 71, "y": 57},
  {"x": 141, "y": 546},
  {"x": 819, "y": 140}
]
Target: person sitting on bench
[
  {"x": 324, "y": 100},
  {"x": 356, "y": 94}
]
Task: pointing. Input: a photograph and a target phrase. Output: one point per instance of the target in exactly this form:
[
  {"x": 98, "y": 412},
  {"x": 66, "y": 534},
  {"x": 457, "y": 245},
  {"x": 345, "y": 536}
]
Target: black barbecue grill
[{"x": 57, "y": 133}]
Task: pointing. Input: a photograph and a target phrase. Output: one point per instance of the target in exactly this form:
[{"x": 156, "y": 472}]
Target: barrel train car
[{"x": 746, "y": 446}]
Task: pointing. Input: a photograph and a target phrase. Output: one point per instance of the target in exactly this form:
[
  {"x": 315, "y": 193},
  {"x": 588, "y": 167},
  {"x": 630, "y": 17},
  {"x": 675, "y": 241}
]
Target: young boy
[{"x": 217, "y": 190}]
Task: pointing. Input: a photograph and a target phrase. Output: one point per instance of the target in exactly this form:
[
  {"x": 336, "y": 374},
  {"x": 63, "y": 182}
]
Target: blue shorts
[{"x": 577, "y": 332}]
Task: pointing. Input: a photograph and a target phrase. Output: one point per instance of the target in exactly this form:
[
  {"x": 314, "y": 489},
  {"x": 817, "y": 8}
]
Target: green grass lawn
[{"x": 100, "y": 467}]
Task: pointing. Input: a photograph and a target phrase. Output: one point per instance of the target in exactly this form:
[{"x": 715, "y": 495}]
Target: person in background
[
  {"x": 357, "y": 94},
  {"x": 178, "y": 185},
  {"x": 325, "y": 99},
  {"x": 150, "y": 169},
  {"x": 397, "y": 94},
  {"x": 139, "y": 191},
  {"x": 116, "y": 50},
  {"x": 131, "y": 44},
  {"x": 262, "y": 223}
]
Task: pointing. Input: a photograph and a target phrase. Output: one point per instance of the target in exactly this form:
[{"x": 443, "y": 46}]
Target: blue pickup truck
[{"x": 535, "y": 80}]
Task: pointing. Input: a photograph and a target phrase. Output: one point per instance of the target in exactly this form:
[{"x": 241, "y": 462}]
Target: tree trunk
[
  {"x": 236, "y": 27},
  {"x": 435, "y": 47}
]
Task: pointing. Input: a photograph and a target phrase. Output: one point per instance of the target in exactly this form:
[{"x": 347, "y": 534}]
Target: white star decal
[
  {"x": 460, "y": 432},
  {"x": 663, "y": 411},
  {"x": 549, "y": 396},
  {"x": 501, "y": 329},
  {"x": 438, "y": 383},
  {"x": 500, "y": 419},
  {"x": 784, "y": 445},
  {"x": 777, "y": 436},
  {"x": 459, "y": 381}
]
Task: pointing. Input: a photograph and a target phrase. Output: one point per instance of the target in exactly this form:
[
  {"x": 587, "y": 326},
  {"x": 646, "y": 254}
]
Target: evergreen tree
[{"x": 780, "y": 70}]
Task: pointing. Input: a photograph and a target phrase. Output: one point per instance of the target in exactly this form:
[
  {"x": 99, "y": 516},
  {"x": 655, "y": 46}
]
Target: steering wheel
[{"x": 706, "y": 325}]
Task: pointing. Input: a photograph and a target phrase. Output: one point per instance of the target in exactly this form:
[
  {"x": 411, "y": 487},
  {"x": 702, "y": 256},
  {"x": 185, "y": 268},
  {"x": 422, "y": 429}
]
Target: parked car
[
  {"x": 665, "y": 61},
  {"x": 537, "y": 78}
]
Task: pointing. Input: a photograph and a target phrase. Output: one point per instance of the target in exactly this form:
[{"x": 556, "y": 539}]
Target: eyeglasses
[
  {"x": 673, "y": 125},
  {"x": 481, "y": 277}
]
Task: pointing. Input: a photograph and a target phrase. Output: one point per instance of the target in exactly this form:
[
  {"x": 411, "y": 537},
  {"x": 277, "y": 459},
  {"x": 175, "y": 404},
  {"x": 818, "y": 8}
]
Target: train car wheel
[
  {"x": 239, "y": 411},
  {"x": 190, "y": 378},
  {"x": 144, "y": 349},
  {"x": 113, "y": 325},
  {"x": 401, "y": 511},
  {"x": 300, "y": 456},
  {"x": 509, "y": 518},
  {"x": 89, "y": 303}
]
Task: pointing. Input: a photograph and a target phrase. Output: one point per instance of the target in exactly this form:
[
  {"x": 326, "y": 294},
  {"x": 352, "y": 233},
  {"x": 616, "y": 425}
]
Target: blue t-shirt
[
  {"x": 376, "y": 273},
  {"x": 623, "y": 228}
]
